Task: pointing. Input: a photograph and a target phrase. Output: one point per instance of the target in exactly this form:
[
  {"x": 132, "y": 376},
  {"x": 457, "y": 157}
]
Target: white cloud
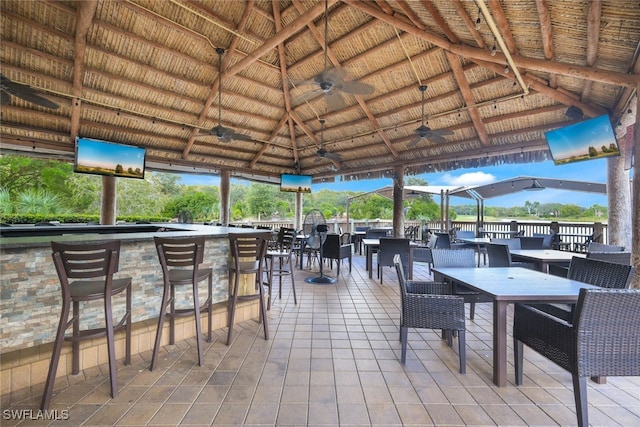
[{"x": 468, "y": 179}]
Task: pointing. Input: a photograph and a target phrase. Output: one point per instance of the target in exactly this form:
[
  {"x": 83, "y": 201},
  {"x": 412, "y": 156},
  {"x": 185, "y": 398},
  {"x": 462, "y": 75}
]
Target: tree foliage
[{"x": 31, "y": 186}]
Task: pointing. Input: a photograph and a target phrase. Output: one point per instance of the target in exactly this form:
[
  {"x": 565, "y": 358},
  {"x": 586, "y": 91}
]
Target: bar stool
[
  {"x": 248, "y": 252},
  {"x": 95, "y": 265},
  {"x": 283, "y": 253},
  {"x": 180, "y": 259}
]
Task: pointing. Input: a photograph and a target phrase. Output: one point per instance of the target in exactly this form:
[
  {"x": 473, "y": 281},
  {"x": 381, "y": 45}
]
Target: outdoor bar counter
[{"x": 30, "y": 297}]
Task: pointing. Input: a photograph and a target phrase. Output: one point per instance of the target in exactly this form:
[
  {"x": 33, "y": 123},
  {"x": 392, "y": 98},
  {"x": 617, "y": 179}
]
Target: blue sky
[{"x": 592, "y": 171}]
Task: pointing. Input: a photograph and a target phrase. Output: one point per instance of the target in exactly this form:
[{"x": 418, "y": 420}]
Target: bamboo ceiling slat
[{"x": 149, "y": 76}]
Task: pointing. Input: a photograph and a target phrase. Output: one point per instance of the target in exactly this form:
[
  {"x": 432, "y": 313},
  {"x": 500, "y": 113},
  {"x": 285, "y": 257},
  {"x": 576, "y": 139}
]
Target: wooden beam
[
  {"x": 462, "y": 13},
  {"x": 503, "y": 25},
  {"x": 292, "y": 28},
  {"x": 469, "y": 100},
  {"x": 570, "y": 70},
  {"x": 593, "y": 38},
  {"x": 440, "y": 22},
  {"x": 546, "y": 34},
  {"x": 84, "y": 16}
]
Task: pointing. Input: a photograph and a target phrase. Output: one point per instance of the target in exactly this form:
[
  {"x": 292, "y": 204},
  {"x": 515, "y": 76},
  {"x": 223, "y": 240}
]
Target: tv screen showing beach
[
  {"x": 587, "y": 140},
  {"x": 108, "y": 158},
  {"x": 295, "y": 183}
]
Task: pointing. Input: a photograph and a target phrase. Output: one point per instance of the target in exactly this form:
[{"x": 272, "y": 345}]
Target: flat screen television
[
  {"x": 587, "y": 140},
  {"x": 295, "y": 183},
  {"x": 108, "y": 158}
]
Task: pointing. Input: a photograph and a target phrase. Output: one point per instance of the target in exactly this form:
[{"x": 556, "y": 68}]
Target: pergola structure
[{"x": 480, "y": 193}]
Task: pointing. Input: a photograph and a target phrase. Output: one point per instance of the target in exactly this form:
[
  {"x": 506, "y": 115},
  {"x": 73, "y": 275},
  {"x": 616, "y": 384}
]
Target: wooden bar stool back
[
  {"x": 181, "y": 260},
  {"x": 86, "y": 272},
  {"x": 248, "y": 252}
]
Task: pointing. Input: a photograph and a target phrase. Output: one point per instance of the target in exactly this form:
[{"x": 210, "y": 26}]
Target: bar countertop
[{"x": 29, "y": 236}]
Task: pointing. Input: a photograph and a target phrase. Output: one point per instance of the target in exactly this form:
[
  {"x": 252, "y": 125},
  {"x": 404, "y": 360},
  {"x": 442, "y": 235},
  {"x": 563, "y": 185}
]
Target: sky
[{"x": 591, "y": 171}]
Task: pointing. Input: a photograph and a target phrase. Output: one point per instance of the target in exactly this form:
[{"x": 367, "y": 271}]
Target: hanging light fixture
[{"x": 535, "y": 186}]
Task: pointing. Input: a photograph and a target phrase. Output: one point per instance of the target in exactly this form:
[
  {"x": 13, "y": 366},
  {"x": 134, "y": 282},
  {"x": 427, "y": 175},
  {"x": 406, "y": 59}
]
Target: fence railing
[{"x": 569, "y": 232}]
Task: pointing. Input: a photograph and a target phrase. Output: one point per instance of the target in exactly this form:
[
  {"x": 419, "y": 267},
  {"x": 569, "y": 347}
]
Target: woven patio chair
[
  {"x": 594, "y": 272},
  {"x": 430, "y": 305},
  {"x": 527, "y": 242},
  {"x": 336, "y": 248},
  {"x": 603, "y": 340},
  {"x": 500, "y": 256},
  {"x": 615, "y": 257},
  {"x": 389, "y": 247},
  {"x": 603, "y": 247},
  {"x": 465, "y": 258}
]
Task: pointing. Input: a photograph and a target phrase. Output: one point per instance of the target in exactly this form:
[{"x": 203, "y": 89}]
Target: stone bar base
[{"x": 22, "y": 371}]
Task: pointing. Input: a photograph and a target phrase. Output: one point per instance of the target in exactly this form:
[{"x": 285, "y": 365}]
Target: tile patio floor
[{"x": 333, "y": 359}]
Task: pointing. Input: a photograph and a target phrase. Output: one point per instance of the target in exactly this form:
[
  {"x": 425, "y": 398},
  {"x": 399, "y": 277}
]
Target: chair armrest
[
  {"x": 548, "y": 335},
  {"x": 434, "y": 311},
  {"x": 432, "y": 288}
]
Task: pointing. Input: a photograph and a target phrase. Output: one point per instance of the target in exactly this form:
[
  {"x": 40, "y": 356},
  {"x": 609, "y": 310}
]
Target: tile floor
[{"x": 332, "y": 360}]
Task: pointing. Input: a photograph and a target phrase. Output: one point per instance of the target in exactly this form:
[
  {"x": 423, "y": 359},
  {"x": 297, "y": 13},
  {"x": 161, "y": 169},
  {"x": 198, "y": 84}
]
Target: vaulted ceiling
[{"x": 498, "y": 75}]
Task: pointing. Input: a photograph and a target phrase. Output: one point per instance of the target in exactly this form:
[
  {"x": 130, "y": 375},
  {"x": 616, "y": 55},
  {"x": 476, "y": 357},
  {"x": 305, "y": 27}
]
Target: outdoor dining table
[
  {"x": 544, "y": 257},
  {"x": 509, "y": 285}
]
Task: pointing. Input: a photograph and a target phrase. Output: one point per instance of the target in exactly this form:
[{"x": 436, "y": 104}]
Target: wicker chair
[
  {"x": 603, "y": 247},
  {"x": 594, "y": 272},
  {"x": 604, "y": 339},
  {"x": 615, "y": 257},
  {"x": 460, "y": 258},
  {"x": 547, "y": 239},
  {"x": 389, "y": 247},
  {"x": 527, "y": 242},
  {"x": 430, "y": 305},
  {"x": 335, "y": 248},
  {"x": 500, "y": 256}
]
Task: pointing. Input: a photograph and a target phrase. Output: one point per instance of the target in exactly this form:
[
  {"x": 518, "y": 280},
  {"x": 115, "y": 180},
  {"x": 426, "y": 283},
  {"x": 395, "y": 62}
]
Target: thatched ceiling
[{"x": 145, "y": 72}]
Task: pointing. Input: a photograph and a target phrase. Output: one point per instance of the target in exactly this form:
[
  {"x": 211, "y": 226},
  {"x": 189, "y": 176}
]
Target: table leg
[
  {"x": 369, "y": 260},
  {"x": 302, "y": 245},
  {"x": 500, "y": 343}
]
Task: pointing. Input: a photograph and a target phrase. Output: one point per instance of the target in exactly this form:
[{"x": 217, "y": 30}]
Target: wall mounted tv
[
  {"x": 587, "y": 140},
  {"x": 295, "y": 183},
  {"x": 107, "y": 158}
]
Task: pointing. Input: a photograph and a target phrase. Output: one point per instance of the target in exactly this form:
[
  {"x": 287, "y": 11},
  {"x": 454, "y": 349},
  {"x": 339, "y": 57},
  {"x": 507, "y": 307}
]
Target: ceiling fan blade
[
  {"x": 414, "y": 142},
  {"x": 38, "y": 100},
  {"x": 355, "y": 87},
  {"x": 5, "y": 97},
  {"x": 441, "y": 132},
  {"x": 334, "y": 100},
  {"x": 332, "y": 75},
  {"x": 334, "y": 156},
  {"x": 24, "y": 92},
  {"x": 240, "y": 136},
  {"x": 436, "y": 138}
]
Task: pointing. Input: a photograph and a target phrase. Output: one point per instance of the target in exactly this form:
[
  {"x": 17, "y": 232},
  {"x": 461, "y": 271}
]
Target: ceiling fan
[
  {"x": 435, "y": 135},
  {"x": 11, "y": 88},
  {"x": 222, "y": 133},
  {"x": 322, "y": 153},
  {"x": 331, "y": 81}
]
